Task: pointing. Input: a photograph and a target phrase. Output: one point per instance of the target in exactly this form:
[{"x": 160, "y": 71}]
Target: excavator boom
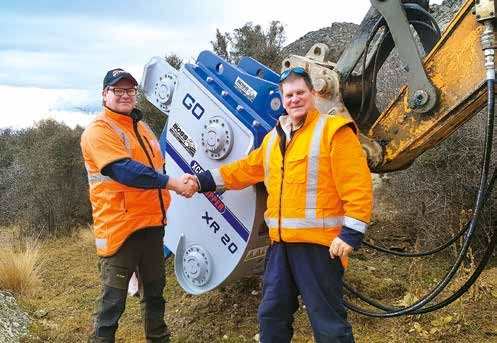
[{"x": 456, "y": 67}]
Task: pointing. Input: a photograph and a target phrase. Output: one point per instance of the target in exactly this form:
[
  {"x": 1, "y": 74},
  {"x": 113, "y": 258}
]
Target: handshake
[{"x": 186, "y": 185}]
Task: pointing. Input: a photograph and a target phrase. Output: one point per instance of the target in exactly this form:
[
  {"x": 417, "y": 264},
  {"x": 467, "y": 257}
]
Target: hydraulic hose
[
  {"x": 484, "y": 261},
  {"x": 480, "y": 200},
  {"x": 481, "y": 265},
  {"x": 420, "y": 9},
  {"x": 419, "y": 254}
]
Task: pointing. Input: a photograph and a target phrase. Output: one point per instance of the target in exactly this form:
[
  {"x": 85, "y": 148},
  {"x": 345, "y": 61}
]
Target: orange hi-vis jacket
[
  {"x": 119, "y": 210},
  {"x": 321, "y": 182}
]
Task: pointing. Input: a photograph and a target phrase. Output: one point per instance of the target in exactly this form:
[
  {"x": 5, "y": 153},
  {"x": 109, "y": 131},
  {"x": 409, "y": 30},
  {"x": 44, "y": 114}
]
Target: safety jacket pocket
[
  {"x": 139, "y": 202},
  {"x": 296, "y": 169},
  {"x": 114, "y": 199}
]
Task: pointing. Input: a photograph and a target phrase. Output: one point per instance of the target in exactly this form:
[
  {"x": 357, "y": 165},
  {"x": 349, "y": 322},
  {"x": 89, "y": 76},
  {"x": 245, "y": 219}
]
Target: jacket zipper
[
  {"x": 281, "y": 195},
  {"x": 282, "y": 181},
  {"x": 142, "y": 145},
  {"x": 150, "y": 147}
]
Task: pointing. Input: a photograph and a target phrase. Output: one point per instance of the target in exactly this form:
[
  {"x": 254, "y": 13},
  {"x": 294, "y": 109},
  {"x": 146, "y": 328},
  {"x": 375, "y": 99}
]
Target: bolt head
[
  {"x": 320, "y": 85},
  {"x": 418, "y": 99}
]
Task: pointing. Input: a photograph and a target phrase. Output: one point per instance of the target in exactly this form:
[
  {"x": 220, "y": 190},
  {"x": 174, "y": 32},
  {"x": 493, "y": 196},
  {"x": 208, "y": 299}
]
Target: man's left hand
[{"x": 339, "y": 248}]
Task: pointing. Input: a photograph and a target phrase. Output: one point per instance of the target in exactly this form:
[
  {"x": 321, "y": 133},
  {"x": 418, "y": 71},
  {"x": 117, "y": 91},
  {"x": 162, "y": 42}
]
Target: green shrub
[{"x": 45, "y": 184}]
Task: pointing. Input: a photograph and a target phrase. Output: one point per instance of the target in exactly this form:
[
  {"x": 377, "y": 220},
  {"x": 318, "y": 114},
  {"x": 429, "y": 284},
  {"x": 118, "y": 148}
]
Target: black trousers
[{"x": 143, "y": 253}]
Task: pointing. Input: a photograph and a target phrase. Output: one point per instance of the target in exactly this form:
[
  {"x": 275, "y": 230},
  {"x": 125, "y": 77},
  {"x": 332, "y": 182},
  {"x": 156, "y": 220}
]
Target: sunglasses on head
[{"x": 295, "y": 70}]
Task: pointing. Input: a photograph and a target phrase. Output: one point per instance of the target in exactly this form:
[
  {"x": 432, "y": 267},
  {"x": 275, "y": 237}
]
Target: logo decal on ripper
[
  {"x": 244, "y": 88},
  {"x": 183, "y": 138},
  {"x": 213, "y": 197}
]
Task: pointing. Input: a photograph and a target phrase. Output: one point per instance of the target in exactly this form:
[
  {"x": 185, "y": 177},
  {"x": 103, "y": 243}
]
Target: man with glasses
[
  {"x": 318, "y": 207},
  {"x": 129, "y": 196}
]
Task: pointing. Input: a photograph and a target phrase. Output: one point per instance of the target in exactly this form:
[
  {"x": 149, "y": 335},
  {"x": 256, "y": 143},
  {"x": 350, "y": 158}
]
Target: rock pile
[{"x": 13, "y": 321}]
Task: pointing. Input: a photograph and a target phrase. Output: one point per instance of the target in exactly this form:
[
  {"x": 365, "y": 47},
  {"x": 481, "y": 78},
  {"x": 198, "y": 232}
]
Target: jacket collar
[{"x": 285, "y": 123}]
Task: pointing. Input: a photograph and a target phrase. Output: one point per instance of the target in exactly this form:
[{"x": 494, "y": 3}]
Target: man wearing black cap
[{"x": 129, "y": 196}]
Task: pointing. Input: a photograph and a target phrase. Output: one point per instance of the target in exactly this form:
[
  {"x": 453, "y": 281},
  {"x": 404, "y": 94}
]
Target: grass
[
  {"x": 70, "y": 285},
  {"x": 20, "y": 268}
]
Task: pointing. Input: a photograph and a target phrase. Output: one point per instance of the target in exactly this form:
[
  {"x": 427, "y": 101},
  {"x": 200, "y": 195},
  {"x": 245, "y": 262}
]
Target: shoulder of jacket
[
  {"x": 270, "y": 133},
  {"x": 336, "y": 121},
  {"x": 147, "y": 128},
  {"x": 98, "y": 123}
]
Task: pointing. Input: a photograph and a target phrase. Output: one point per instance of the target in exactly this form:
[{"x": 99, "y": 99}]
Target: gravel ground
[{"x": 13, "y": 321}]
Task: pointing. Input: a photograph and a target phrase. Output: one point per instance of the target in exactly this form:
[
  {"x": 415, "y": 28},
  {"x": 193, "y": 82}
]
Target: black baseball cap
[{"x": 115, "y": 75}]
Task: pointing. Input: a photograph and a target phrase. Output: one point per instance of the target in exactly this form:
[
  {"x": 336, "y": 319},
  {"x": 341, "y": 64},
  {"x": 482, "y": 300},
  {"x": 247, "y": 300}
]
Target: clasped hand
[{"x": 186, "y": 185}]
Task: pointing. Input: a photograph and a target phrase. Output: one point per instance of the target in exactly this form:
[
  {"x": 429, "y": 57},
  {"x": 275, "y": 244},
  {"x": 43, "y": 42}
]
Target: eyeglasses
[
  {"x": 121, "y": 91},
  {"x": 295, "y": 70}
]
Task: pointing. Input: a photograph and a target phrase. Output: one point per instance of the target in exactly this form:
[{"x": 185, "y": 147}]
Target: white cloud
[
  {"x": 23, "y": 106},
  {"x": 81, "y": 61},
  {"x": 72, "y": 119}
]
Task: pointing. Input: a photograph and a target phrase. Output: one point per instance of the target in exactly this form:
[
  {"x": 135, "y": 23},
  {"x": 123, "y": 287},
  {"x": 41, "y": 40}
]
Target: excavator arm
[
  {"x": 456, "y": 68},
  {"x": 444, "y": 90}
]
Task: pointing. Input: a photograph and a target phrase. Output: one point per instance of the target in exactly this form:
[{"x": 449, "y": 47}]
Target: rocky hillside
[{"x": 339, "y": 35}]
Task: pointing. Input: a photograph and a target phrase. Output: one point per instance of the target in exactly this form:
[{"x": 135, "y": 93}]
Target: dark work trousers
[
  {"x": 308, "y": 270},
  {"x": 141, "y": 252}
]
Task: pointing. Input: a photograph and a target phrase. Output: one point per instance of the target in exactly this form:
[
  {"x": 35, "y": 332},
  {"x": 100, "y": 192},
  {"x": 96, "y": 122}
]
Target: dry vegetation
[
  {"x": 428, "y": 203},
  {"x": 20, "y": 267},
  {"x": 70, "y": 284}
]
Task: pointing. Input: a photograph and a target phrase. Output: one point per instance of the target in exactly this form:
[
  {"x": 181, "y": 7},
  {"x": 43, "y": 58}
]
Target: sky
[{"x": 54, "y": 54}]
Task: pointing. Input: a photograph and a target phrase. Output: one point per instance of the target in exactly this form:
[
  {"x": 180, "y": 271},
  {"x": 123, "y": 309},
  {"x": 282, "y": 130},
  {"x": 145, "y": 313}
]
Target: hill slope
[{"x": 62, "y": 309}]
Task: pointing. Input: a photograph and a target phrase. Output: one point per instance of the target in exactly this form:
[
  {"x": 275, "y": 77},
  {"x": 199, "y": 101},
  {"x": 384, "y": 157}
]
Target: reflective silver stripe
[
  {"x": 267, "y": 156},
  {"x": 94, "y": 178},
  {"x": 355, "y": 224},
  {"x": 101, "y": 243},
  {"x": 271, "y": 222},
  {"x": 305, "y": 223},
  {"x": 119, "y": 132},
  {"x": 218, "y": 179},
  {"x": 313, "y": 167}
]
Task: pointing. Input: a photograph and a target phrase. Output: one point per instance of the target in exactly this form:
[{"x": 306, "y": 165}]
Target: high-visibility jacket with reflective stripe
[
  {"x": 119, "y": 210},
  {"x": 321, "y": 182}
]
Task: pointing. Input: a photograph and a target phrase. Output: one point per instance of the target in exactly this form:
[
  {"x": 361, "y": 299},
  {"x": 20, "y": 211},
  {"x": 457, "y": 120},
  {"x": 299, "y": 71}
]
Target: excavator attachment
[
  {"x": 219, "y": 112},
  {"x": 386, "y": 25}
]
